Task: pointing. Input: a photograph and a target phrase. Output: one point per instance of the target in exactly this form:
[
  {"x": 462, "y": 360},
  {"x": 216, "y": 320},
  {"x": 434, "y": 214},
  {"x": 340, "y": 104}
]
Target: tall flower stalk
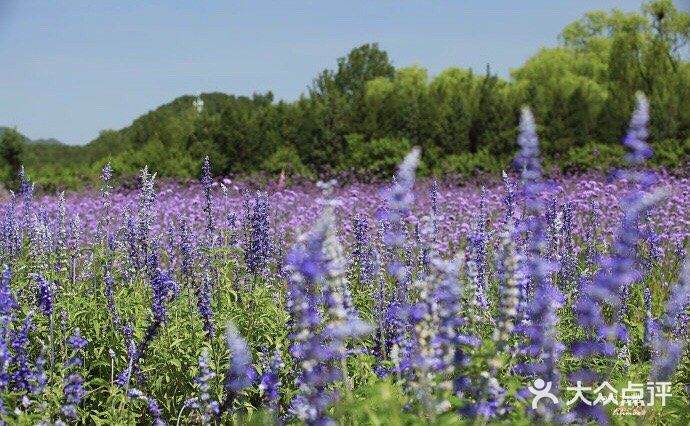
[
  {"x": 74, "y": 383},
  {"x": 106, "y": 188},
  {"x": 619, "y": 269},
  {"x": 270, "y": 382},
  {"x": 668, "y": 344},
  {"x": 46, "y": 304},
  {"x": 320, "y": 318},
  {"x": 399, "y": 198},
  {"x": 542, "y": 348},
  {"x": 206, "y": 183},
  {"x": 210, "y": 408},
  {"x": 258, "y": 245},
  {"x": 240, "y": 373}
]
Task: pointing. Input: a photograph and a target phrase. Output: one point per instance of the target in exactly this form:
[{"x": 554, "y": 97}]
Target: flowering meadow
[{"x": 408, "y": 303}]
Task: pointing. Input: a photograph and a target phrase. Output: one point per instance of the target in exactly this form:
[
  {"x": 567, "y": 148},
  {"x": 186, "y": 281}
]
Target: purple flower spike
[
  {"x": 270, "y": 382},
  {"x": 74, "y": 384},
  {"x": 206, "y": 183},
  {"x": 668, "y": 344},
  {"x": 240, "y": 374},
  {"x": 45, "y": 295}
]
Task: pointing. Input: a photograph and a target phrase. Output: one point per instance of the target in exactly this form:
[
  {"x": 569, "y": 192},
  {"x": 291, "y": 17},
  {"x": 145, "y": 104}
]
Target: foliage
[
  {"x": 583, "y": 90},
  {"x": 11, "y": 150}
]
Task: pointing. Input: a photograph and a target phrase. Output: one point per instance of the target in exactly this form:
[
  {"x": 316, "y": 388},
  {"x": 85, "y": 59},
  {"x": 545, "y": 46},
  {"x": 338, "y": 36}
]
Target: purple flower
[
  {"x": 240, "y": 374},
  {"x": 306, "y": 269},
  {"x": 11, "y": 242},
  {"x": 164, "y": 290},
  {"x": 22, "y": 375},
  {"x": 106, "y": 187},
  {"x": 436, "y": 329},
  {"x": 317, "y": 282},
  {"x": 76, "y": 342},
  {"x": 638, "y": 149},
  {"x": 666, "y": 350},
  {"x": 210, "y": 408},
  {"x": 40, "y": 378},
  {"x": 541, "y": 344},
  {"x": 361, "y": 250},
  {"x": 653, "y": 242},
  {"x": 203, "y": 295},
  {"x": 144, "y": 220},
  {"x": 527, "y": 160},
  {"x": 509, "y": 199},
  {"x": 206, "y": 182},
  {"x": 509, "y": 276},
  {"x": 567, "y": 256},
  {"x": 258, "y": 246},
  {"x": 26, "y": 191},
  {"x": 45, "y": 295},
  {"x": 60, "y": 234},
  {"x": 74, "y": 392},
  {"x": 270, "y": 381},
  {"x": 5, "y": 355},
  {"x": 591, "y": 253},
  {"x": 635, "y": 140},
  {"x": 7, "y": 300},
  {"x": 109, "y": 290},
  {"x": 649, "y": 325},
  {"x": 124, "y": 376},
  {"x": 187, "y": 250},
  {"x": 74, "y": 384},
  {"x": 478, "y": 256},
  {"x": 129, "y": 235},
  {"x": 155, "y": 412},
  {"x": 619, "y": 270},
  {"x": 435, "y": 214},
  {"x": 399, "y": 198}
]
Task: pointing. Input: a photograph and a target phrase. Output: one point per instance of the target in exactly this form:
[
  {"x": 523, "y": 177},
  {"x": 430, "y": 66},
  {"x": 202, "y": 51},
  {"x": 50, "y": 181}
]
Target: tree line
[{"x": 364, "y": 114}]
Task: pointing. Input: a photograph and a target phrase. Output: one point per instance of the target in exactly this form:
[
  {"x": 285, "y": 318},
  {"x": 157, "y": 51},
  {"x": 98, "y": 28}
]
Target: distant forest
[{"x": 365, "y": 113}]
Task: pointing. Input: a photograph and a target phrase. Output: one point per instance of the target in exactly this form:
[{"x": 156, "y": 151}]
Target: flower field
[{"x": 416, "y": 302}]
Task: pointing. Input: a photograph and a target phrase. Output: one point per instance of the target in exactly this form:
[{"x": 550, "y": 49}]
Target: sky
[{"x": 70, "y": 69}]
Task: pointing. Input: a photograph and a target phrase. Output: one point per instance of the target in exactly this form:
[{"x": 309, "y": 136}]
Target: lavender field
[{"x": 414, "y": 302}]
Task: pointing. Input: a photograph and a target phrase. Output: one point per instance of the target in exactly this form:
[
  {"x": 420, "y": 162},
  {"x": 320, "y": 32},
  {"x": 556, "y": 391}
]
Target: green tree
[{"x": 11, "y": 152}]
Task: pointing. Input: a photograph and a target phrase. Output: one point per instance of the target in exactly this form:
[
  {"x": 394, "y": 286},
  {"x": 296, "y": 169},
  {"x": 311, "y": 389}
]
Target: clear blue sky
[{"x": 72, "y": 68}]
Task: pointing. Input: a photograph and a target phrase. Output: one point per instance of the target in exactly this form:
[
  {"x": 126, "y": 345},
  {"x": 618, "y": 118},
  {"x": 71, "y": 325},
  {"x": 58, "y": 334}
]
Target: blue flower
[
  {"x": 361, "y": 251},
  {"x": 258, "y": 246},
  {"x": 7, "y": 300},
  {"x": 22, "y": 375},
  {"x": 541, "y": 343},
  {"x": 74, "y": 384},
  {"x": 203, "y": 295},
  {"x": 45, "y": 295},
  {"x": 241, "y": 373},
  {"x": 210, "y": 409},
  {"x": 206, "y": 183},
  {"x": 317, "y": 283},
  {"x": 667, "y": 350},
  {"x": 270, "y": 381}
]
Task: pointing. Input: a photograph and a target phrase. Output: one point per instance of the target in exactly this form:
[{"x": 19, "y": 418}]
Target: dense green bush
[
  {"x": 285, "y": 159},
  {"x": 468, "y": 163},
  {"x": 377, "y": 156}
]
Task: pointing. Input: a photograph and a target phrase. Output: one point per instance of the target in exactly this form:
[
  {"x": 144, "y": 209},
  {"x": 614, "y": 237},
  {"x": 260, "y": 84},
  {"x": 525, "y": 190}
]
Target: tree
[
  {"x": 362, "y": 64},
  {"x": 11, "y": 152}
]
